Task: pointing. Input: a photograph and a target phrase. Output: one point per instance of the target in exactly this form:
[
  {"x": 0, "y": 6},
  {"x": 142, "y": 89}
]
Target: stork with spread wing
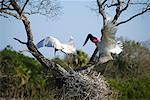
[
  {"x": 68, "y": 48},
  {"x": 107, "y": 44}
]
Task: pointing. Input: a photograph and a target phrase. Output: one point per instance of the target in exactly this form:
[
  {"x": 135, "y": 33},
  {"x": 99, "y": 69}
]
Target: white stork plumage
[
  {"x": 107, "y": 44},
  {"x": 68, "y": 48}
]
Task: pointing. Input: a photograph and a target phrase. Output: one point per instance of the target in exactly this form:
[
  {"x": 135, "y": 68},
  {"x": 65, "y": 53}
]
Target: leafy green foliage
[
  {"x": 132, "y": 89},
  {"x": 21, "y": 76},
  {"x": 80, "y": 59},
  {"x": 74, "y": 61}
]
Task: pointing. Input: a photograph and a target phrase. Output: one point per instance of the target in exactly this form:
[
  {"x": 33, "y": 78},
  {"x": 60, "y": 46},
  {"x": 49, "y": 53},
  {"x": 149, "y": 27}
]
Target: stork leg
[
  {"x": 70, "y": 60},
  {"x": 55, "y": 51},
  {"x": 99, "y": 55},
  {"x": 93, "y": 55}
]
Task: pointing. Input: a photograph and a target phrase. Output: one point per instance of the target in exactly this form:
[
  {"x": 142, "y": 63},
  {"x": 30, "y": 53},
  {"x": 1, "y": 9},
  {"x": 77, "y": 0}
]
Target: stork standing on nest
[{"x": 107, "y": 44}]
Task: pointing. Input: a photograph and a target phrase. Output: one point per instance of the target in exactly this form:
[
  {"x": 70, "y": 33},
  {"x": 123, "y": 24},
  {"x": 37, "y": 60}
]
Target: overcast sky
[{"x": 77, "y": 20}]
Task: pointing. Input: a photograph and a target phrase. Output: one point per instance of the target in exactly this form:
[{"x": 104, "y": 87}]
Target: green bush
[
  {"x": 21, "y": 76},
  {"x": 133, "y": 89}
]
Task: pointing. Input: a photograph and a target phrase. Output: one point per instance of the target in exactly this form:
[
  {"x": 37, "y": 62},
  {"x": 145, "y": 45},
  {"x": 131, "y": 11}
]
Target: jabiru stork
[
  {"x": 107, "y": 44},
  {"x": 67, "y": 48}
]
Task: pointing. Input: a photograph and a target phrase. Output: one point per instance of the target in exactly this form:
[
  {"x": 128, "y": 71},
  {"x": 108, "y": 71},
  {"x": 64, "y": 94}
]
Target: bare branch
[
  {"x": 24, "y": 6},
  {"x": 104, "y": 2},
  {"x": 118, "y": 12},
  {"x": 20, "y": 41},
  {"x": 10, "y": 13},
  {"x": 101, "y": 11},
  {"x": 47, "y": 8},
  {"x": 141, "y": 3},
  {"x": 142, "y": 12},
  {"x": 112, "y": 5},
  {"x": 5, "y": 5},
  {"x": 125, "y": 6}
]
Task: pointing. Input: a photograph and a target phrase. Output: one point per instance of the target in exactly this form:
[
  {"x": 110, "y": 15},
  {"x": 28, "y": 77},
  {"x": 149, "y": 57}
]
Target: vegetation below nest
[{"x": 24, "y": 77}]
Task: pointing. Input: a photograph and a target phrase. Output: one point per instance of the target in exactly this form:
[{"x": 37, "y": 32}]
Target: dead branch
[
  {"x": 47, "y": 8},
  {"x": 10, "y": 13},
  {"x": 118, "y": 12},
  {"x": 142, "y": 12},
  {"x": 24, "y": 6},
  {"x": 101, "y": 10},
  {"x": 125, "y": 6},
  {"x": 6, "y": 5},
  {"x": 112, "y": 5},
  {"x": 20, "y": 41},
  {"x": 104, "y": 2},
  {"x": 139, "y": 3}
]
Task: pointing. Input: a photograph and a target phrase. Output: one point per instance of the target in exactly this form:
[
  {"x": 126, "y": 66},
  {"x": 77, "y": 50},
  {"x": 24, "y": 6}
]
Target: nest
[{"x": 85, "y": 86}]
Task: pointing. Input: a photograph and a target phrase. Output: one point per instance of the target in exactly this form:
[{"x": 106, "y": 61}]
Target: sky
[{"x": 77, "y": 20}]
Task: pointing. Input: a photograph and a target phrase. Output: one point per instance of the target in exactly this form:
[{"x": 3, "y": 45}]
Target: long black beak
[{"x": 87, "y": 38}]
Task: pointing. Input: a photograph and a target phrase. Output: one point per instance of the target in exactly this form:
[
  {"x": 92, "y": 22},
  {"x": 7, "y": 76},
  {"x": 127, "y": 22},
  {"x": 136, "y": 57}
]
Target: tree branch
[
  {"x": 24, "y": 6},
  {"x": 6, "y": 5},
  {"x": 104, "y": 2},
  {"x": 133, "y": 16},
  {"x": 139, "y": 3},
  {"x": 108, "y": 6},
  {"x": 16, "y": 7},
  {"x": 118, "y": 12},
  {"x": 10, "y": 13},
  {"x": 20, "y": 41},
  {"x": 125, "y": 6},
  {"x": 101, "y": 10}
]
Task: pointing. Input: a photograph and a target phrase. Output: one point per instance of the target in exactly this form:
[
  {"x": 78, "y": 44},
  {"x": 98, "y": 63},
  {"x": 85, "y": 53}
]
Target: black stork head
[{"x": 92, "y": 38}]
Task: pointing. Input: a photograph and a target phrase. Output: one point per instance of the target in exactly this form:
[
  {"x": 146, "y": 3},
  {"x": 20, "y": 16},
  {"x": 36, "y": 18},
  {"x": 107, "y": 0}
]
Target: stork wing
[
  {"x": 42, "y": 43},
  {"x": 107, "y": 42},
  {"x": 68, "y": 49},
  {"x": 49, "y": 42},
  {"x": 108, "y": 34},
  {"x": 118, "y": 48}
]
